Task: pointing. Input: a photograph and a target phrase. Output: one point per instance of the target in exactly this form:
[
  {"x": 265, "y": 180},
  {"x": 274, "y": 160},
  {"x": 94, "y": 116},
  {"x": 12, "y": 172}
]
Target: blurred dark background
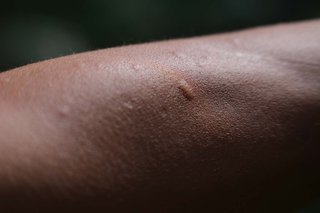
[{"x": 35, "y": 30}]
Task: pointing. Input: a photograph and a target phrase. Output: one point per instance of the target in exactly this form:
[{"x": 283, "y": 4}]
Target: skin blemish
[
  {"x": 128, "y": 105},
  {"x": 185, "y": 89},
  {"x": 63, "y": 111},
  {"x": 180, "y": 83},
  {"x": 137, "y": 67}
]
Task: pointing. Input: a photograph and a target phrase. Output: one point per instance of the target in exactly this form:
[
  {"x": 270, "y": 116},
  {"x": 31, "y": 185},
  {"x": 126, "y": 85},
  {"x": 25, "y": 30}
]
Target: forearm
[{"x": 165, "y": 122}]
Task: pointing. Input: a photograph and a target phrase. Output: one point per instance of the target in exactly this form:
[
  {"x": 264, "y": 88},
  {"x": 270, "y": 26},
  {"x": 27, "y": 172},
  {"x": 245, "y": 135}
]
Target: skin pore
[{"x": 228, "y": 122}]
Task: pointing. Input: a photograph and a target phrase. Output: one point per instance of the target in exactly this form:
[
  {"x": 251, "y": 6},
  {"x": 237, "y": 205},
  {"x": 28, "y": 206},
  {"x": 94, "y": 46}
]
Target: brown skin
[{"x": 227, "y": 122}]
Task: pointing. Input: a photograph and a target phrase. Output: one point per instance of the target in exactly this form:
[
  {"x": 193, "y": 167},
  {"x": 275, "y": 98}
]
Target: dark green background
[{"x": 35, "y": 30}]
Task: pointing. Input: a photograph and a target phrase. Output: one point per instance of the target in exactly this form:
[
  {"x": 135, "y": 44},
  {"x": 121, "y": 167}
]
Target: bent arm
[{"x": 222, "y": 122}]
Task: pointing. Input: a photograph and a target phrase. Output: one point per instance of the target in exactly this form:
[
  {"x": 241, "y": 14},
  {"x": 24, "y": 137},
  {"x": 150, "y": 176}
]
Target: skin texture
[{"x": 228, "y": 122}]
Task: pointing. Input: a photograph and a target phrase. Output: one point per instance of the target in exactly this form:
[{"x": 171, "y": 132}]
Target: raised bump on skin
[
  {"x": 183, "y": 86},
  {"x": 186, "y": 90}
]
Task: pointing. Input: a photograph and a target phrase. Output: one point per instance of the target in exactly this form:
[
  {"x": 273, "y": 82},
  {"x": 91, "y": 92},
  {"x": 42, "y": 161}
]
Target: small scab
[{"x": 186, "y": 90}]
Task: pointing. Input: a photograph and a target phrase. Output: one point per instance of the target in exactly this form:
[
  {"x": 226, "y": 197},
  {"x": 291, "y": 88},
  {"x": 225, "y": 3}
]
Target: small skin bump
[
  {"x": 128, "y": 105},
  {"x": 137, "y": 67},
  {"x": 186, "y": 90},
  {"x": 182, "y": 85},
  {"x": 63, "y": 111}
]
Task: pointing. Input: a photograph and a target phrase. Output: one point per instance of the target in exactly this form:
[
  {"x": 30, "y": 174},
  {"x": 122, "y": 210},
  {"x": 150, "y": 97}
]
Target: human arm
[{"x": 222, "y": 122}]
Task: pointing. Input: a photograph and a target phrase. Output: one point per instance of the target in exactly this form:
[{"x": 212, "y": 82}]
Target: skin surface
[{"x": 228, "y": 122}]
